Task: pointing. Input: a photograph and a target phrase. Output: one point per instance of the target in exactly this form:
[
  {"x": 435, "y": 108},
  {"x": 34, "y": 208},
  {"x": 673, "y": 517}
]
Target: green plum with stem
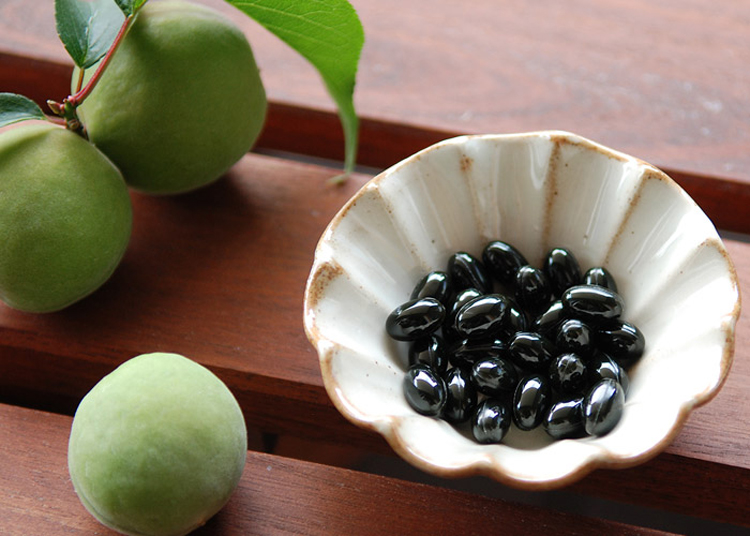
[{"x": 180, "y": 100}]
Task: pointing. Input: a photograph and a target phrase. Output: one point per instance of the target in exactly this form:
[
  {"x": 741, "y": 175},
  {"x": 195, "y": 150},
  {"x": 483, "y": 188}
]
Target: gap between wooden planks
[{"x": 318, "y": 133}]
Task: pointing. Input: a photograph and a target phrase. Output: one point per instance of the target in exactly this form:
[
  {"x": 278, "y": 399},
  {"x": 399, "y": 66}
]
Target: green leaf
[
  {"x": 129, "y": 7},
  {"x": 15, "y": 108},
  {"x": 87, "y": 28},
  {"x": 329, "y": 35}
]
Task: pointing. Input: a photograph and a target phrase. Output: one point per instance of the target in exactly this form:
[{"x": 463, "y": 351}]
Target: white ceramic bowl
[{"x": 535, "y": 191}]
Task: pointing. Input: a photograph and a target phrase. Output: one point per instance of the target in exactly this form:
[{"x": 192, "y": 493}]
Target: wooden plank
[
  {"x": 667, "y": 81},
  {"x": 276, "y": 495},
  {"x": 243, "y": 248},
  {"x": 317, "y": 133}
]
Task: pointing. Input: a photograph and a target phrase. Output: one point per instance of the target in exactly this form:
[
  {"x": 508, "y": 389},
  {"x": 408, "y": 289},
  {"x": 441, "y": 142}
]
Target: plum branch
[{"x": 67, "y": 109}]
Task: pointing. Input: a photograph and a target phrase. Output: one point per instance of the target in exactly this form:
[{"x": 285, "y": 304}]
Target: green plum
[
  {"x": 157, "y": 447},
  {"x": 180, "y": 102},
  {"x": 65, "y": 217}
]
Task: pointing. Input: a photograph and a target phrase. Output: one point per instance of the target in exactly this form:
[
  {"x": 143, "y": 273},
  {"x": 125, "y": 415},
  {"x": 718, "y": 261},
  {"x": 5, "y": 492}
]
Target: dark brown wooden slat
[
  {"x": 727, "y": 489},
  {"x": 234, "y": 258},
  {"x": 665, "y": 81},
  {"x": 276, "y": 495},
  {"x": 36, "y": 79}
]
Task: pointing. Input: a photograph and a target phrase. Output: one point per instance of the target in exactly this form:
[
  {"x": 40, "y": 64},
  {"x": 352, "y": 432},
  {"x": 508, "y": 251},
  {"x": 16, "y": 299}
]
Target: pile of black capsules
[{"x": 495, "y": 340}]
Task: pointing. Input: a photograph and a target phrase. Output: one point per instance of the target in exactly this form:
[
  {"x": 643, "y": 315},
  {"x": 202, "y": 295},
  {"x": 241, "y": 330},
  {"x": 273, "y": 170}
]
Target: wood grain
[
  {"x": 275, "y": 496},
  {"x": 665, "y": 81}
]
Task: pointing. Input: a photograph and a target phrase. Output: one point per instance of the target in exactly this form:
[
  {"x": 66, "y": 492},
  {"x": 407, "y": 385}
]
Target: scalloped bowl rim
[{"x": 317, "y": 281}]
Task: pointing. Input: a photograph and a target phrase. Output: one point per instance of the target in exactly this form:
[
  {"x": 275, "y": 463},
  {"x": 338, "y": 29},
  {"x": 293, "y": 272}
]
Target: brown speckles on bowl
[
  {"x": 551, "y": 187},
  {"x": 466, "y": 162},
  {"x": 324, "y": 274}
]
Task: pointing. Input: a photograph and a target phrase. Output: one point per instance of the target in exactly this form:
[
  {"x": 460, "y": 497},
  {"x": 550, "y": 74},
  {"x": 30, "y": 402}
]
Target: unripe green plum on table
[
  {"x": 181, "y": 100},
  {"x": 157, "y": 446}
]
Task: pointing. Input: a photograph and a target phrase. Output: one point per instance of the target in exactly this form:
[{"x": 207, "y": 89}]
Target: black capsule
[
  {"x": 600, "y": 276},
  {"x": 575, "y": 336},
  {"x": 494, "y": 376},
  {"x": 602, "y": 407},
  {"x": 601, "y": 367},
  {"x": 503, "y": 261},
  {"x": 462, "y": 396},
  {"x": 462, "y": 298},
  {"x": 482, "y": 317},
  {"x": 434, "y": 285},
  {"x": 531, "y": 351},
  {"x": 568, "y": 373},
  {"x": 531, "y": 401},
  {"x": 425, "y": 390},
  {"x": 466, "y": 352},
  {"x": 565, "y": 419},
  {"x": 624, "y": 342},
  {"x": 515, "y": 321},
  {"x": 466, "y": 271},
  {"x": 490, "y": 421},
  {"x": 592, "y": 302},
  {"x": 548, "y": 322},
  {"x": 430, "y": 351},
  {"x": 532, "y": 290},
  {"x": 415, "y": 319},
  {"x": 562, "y": 270}
]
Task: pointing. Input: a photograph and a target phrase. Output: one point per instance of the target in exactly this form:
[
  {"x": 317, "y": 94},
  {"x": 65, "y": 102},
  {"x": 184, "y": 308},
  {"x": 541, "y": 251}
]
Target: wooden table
[{"x": 218, "y": 275}]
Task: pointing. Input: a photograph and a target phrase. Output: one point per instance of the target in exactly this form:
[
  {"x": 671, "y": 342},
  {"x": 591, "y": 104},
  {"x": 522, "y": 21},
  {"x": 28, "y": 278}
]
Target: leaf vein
[{"x": 289, "y": 13}]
